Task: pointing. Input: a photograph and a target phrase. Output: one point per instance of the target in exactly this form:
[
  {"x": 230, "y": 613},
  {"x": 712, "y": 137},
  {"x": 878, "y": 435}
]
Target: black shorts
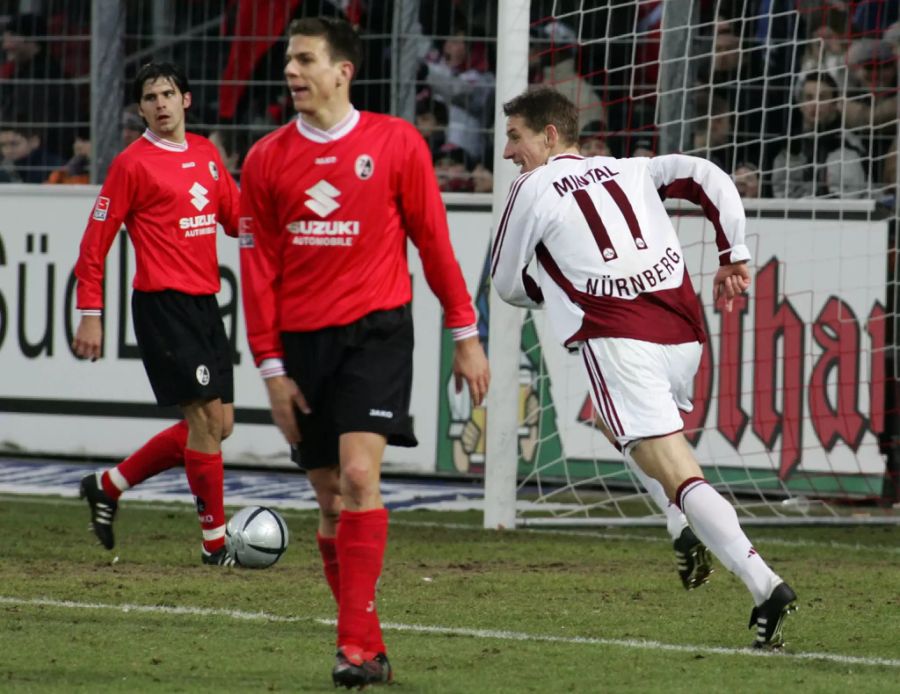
[
  {"x": 184, "y": 347},
  {"x": 355, "y": 377}
]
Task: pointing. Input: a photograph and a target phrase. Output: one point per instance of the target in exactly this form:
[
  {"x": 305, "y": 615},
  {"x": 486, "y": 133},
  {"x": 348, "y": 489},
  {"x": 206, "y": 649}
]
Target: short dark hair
[
  {"x": 545, "y": 106},
  {"x": 154, "y": 71},
  {"x": 343, "y": 41}
]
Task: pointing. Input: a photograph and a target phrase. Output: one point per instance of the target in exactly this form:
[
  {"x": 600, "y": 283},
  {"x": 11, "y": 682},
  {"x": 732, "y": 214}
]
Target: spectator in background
[
  {"x": 872, "y": 66},
  {"x": 642, "y": 146},
  {"x": 552, "y": 61},
  {"x": 232, "y": 145},
  {"x": 714, "y": 136},
  {"x": 732, "y": 80},
  {"x": 24, "y": 158},
  {"x": 872, "y": 84},
  {"x": 451, "y": 165},
  {"x": 482, "y": 179},
  {"x": 746, "y": 180},
  {"x": 431, "y": 122},
  {"x": 36, "y": 85},
  {"x": 133, "y": 125},
  {"x": 592, "y": 140},
  {"x": 826, "y": 49},
  {"x": 459, "y": 76},
  {"x": 871, "y": 16},
  {"x": 77, "y": 169},
  {"x": 824, "y": 160}
]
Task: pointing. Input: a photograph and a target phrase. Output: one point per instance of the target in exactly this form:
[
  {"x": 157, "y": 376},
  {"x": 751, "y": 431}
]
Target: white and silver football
[{"x": 256, "y": 536}]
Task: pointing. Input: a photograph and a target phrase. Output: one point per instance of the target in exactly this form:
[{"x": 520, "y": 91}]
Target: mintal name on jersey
[{"x": 568, "y": 183}]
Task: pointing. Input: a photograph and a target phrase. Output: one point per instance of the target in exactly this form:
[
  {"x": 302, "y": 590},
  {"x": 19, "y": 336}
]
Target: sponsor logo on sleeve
[{"x": 101, "y": 208}]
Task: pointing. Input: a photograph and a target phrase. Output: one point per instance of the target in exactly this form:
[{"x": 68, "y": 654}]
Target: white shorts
[{"x": 639, "y": 387}]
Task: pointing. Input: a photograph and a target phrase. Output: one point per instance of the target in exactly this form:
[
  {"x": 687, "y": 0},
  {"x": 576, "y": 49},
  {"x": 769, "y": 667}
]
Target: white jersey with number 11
[{"x": 609, "y": 263}]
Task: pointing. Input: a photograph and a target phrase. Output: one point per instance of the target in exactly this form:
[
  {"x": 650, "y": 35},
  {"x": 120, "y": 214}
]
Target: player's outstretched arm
[
  {"x": 88, "y": 338},
  {"x": 730, "y": 280},
  {"x": 284, "y": 395},
  {"x": 471, "y": 364}
]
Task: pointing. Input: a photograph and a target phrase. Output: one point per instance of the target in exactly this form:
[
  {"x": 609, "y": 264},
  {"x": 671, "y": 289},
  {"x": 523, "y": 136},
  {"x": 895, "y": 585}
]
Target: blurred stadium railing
[{"x": 730, "y": 88}]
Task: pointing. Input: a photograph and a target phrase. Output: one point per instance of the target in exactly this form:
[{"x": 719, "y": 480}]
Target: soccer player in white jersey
[{"x": 611, "y": 274}]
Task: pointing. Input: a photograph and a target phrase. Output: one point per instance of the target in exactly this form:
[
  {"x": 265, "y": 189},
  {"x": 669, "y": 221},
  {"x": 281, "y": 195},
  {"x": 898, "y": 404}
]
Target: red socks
[
  {"x": 330, "y": 567},
  {"x": 206, "y": 478},
  {"x": 360, "y": 543},
  {"x": 328, "y": 550},
  {"x": 163, "y": 451}
]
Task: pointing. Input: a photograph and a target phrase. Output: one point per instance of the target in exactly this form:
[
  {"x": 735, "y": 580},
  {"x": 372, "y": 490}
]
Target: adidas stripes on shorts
[{"x": 640, "y": 388}]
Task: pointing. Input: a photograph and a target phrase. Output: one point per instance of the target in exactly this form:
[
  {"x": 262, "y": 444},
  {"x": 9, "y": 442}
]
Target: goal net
[{"x": 794, "y": 411}]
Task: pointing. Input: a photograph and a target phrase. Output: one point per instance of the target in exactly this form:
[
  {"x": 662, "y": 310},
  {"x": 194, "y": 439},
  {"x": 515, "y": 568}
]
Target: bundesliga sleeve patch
[
  {"x": 101, "y": 208},
  {"x": 245, "y": 232}
]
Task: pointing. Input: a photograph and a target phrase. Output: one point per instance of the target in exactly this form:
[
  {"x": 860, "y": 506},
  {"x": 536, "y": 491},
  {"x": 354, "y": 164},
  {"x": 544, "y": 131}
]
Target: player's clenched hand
[
  {"x": 470, "y": 364},
  {"x": 284, "y": 395},
  {"x": 88, "y": 338},
  {"x": 730, "y": 280}
]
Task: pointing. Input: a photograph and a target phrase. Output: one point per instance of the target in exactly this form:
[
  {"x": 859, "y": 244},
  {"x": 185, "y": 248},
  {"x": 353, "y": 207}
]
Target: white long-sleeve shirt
[{"x": 609, "y": 263}]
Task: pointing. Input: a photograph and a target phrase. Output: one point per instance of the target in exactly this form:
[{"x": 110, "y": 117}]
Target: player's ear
[
  {"x": 186, "y": 99},
  {"x": 346, "y": 72},
  {"x": 551, "y": 136}
]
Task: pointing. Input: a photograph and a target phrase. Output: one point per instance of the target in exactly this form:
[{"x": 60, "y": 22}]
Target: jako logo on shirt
[
  {"x": 199, "y": 199},
  {"x": 101, "y": 208},
  {"x": 202, "y": 375}
]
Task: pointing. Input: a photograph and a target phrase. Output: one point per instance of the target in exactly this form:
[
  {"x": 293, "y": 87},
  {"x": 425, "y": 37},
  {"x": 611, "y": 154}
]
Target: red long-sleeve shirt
[
  {"x": 324, "y": 221},
  {"x": 170, "y": 197}
]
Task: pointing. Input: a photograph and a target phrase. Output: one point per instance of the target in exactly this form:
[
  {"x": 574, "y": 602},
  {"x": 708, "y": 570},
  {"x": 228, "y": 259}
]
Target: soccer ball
[{"x": 256, "y": 536}]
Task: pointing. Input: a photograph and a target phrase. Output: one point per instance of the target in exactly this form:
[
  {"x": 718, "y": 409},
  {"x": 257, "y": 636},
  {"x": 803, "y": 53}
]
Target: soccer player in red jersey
[
  {"x": 611, "y": 274},
  {"x": 328, "y": 204},
  {"x": 171, "y": 189}
]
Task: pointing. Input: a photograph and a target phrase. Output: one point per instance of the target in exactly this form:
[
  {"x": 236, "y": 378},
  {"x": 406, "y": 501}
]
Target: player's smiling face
[
  {"x": 162, "y": 107},
  {"x": 313, "y": 78},
  {"x": 528, "y": 149}
]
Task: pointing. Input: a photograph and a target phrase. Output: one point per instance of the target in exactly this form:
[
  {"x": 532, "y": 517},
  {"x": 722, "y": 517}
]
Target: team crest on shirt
[
  {"x": 101, "y": 208},
  {"x": 365, "y": 166},
  {"x": 214, "y": 170},
  {"x": 203, "y": 375}
]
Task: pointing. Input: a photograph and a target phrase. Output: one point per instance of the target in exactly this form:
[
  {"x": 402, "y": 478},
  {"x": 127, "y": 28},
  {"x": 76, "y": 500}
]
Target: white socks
[
  {"x": 118, "y": 480},
  {"x": 675, "y": 519},
  {"x": 715, "y": 522}
]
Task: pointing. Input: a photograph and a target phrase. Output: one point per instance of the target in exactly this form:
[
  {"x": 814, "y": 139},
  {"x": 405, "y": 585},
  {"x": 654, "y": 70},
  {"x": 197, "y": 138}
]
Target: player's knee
[
  {"x": 357, "y": 480},
  {"x": 207, "y": 422},
  {"x": 330, "y": 509}
]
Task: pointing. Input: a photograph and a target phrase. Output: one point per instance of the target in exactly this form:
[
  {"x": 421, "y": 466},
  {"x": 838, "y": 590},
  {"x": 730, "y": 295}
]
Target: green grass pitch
[{"x": 465, "y": 610}]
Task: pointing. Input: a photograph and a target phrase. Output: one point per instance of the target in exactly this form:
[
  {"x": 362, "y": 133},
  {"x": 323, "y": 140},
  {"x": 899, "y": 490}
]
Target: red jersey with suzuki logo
[
  {"x": 170, "y": 197},
  {"x": 325, "y": 217}
]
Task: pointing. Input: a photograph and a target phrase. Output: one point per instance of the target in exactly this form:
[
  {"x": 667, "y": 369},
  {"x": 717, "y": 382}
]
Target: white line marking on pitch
[{"x": 455, "y": 631}]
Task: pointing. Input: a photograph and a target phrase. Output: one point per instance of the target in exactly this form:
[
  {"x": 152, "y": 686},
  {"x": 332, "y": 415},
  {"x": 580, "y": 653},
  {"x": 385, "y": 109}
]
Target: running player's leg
[
  {"x": 102, "y": 491},
  {"x": 637, "y": 388}
]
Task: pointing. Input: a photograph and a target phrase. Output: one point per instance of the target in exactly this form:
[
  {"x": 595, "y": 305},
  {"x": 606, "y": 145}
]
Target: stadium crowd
[{"x": 794, "y": 98}]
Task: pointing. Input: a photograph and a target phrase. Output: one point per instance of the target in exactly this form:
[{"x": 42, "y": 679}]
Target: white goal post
[{"x": 791, "y": 405}]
